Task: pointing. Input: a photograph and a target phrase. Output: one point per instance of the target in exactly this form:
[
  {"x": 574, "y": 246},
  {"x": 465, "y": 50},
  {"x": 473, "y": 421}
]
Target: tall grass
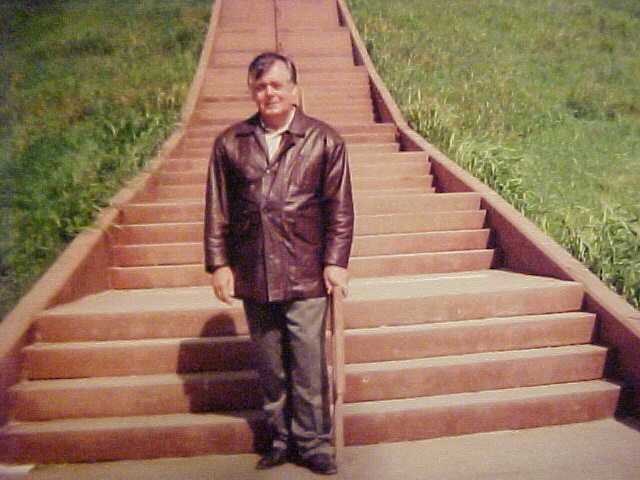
[
  {"x": 540, "y": 100},
  {"x": 90, "y": 90}
]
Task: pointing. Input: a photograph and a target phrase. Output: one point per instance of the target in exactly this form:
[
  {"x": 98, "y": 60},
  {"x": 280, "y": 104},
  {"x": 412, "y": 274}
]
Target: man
[{"x": 278, "y": 233}]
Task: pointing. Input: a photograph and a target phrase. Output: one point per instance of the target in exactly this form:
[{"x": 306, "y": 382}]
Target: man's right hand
[{"x": 222, "y": 283}]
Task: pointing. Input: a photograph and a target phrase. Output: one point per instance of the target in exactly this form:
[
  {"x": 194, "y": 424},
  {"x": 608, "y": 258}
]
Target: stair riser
[
  {"x": 474, "y": 336},
  {"x": 365, "y": 204},
  {"x": 187, "y": 356},
  {"x": 438, "y": 262},
  {"x": 385, "y": 384},
  {"x": 177, "y": 254},
  {"x": 473, "y": 418},
  {"x": 204, "y": 322},
  {"x": 374, "y": 225},
  {"x": 195, "y": 396},
  {"x": 194, "y": 275}
]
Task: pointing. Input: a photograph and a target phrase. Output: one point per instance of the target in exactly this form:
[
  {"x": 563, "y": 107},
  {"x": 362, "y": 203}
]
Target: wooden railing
[{"x": 336, "y": 360}]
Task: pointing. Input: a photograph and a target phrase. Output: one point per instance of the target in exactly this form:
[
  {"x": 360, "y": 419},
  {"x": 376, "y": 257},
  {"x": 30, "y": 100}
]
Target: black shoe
[
  {"x": 277, "y": 456},
  {"x": 321, "y": 463}
]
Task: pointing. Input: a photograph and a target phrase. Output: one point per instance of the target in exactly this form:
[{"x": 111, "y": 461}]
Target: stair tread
[
  {"x": 105, "y": 344},
  {"x": 422, "y": 327},
  {"x": 131, "y": 422},
  {"x": 411, "y": 195},
  {"x": 384, "y": 256},
  {"x": 132, "y": 380},
  {"x": 473, "y": 358},
  {"x": 489, "y": 397},
  {"x": 361, "y": 289}
]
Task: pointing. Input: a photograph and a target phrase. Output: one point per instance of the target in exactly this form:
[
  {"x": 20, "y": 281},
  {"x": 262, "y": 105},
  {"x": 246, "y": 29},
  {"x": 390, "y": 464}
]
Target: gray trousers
[{"x": 290, "y": 341}]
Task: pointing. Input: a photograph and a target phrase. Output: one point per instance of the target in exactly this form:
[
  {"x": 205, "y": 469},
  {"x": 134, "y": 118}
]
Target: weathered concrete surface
[{"x": 601, "y": 450}]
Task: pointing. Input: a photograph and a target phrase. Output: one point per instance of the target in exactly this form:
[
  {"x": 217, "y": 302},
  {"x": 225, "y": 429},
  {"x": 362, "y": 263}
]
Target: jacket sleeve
[
  {"x": 339, "y": 216},
  {"x": 216, "y": 217}
]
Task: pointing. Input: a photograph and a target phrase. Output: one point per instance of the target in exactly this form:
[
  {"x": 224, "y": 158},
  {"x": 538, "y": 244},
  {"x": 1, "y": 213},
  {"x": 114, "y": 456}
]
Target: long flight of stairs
[{"x": 438, "y": 341}]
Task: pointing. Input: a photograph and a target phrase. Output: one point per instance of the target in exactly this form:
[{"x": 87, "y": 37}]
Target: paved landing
[{"x": 600, "y": 450}]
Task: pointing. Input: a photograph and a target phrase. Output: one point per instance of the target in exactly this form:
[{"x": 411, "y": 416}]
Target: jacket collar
[{"x": 297, "y": 127}]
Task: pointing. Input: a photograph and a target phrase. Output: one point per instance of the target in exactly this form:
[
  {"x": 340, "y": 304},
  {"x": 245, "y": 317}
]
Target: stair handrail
[{"x": 336, "y": 331}]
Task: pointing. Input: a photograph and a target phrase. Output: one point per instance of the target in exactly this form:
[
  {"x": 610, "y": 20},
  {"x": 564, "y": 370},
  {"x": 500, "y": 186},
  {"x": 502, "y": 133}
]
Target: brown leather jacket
[{"x": 277, "y": 225}]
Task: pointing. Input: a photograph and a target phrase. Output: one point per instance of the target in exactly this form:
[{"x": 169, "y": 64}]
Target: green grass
[
  {"x": 539, "y": 99},
  {"x": 90, "y": 89}
]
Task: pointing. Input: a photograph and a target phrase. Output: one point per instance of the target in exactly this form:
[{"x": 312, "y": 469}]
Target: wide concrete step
[
  {"x": 402, "y": 342},
  {"x": 457, "y": 414},
  {"x": 172, "y": 176},
  {"x": 368, "y": 204},
  {"x": 315, "y": 43},
  {"x": 232, "y": 41},
  {"x": 187, "y": 434},
  {"x": 303, "y": 63},
  {"x": 211, "y": 131},
  {"x": 135, "y": 395},
  {"x": 365, "y": 225},
  {"x": 395, "y": 182},
  {"x": 132, "y": 437},
  {"x": 353, "y": 149},
  {"x": 366, "y": 162},
  {"x": 368, "y": 245},
  {"x": 137, "y": 357},
  {"x": 47, "y": 360},
  {"x": 213, "y": 87},
  {"x": 231, "y": 77},
  {"x": 372, "y": 303},
  {"x": 168, "y": 276},
  {"x": 475, "y": 372},
  {"x": 350, "y": 138},
  {"x": 314, "y": 109},
  {"x": 458, "y": 296}
]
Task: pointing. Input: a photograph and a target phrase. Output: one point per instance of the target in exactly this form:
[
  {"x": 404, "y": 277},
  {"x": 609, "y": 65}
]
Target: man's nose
[{"x": 270, "y": 90}]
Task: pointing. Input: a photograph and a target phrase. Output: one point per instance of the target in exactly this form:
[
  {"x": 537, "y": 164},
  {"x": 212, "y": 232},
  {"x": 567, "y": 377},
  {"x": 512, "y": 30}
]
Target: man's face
[{"x": 275, "y": 94}]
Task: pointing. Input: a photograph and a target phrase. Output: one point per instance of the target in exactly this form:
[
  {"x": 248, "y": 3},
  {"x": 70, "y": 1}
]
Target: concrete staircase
[{"x": 439, "y": 340}]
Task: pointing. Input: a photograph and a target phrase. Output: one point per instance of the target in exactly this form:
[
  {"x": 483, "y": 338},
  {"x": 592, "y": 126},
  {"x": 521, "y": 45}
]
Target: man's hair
[{"x": 263, "y": 62}]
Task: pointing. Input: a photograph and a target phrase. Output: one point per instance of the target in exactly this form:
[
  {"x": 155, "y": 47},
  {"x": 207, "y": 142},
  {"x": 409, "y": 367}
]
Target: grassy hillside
[
  {"x": 540, "y": 99},
  {"x": 89, "y": 90}
]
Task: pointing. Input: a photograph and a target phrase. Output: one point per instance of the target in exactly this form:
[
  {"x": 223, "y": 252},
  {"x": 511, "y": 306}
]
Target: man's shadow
[{"x": 218, "y": 372}]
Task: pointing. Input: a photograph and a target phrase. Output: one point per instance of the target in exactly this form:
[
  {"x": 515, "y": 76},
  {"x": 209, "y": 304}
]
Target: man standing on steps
[{"x": 278, "y": 232}]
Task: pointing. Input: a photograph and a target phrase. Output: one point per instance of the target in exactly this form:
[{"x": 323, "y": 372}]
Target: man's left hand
[{"x": 336, "y": 277}]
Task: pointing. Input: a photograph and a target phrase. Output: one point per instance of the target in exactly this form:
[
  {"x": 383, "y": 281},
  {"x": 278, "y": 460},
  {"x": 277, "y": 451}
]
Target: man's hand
[
  {"x": 335, "y": 277},
  {"x": 222, "y": 283}
]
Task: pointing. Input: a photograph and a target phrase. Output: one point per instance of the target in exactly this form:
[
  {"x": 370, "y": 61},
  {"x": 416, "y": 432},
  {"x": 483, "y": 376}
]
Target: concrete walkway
[{"x": 600, "y": 450}]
